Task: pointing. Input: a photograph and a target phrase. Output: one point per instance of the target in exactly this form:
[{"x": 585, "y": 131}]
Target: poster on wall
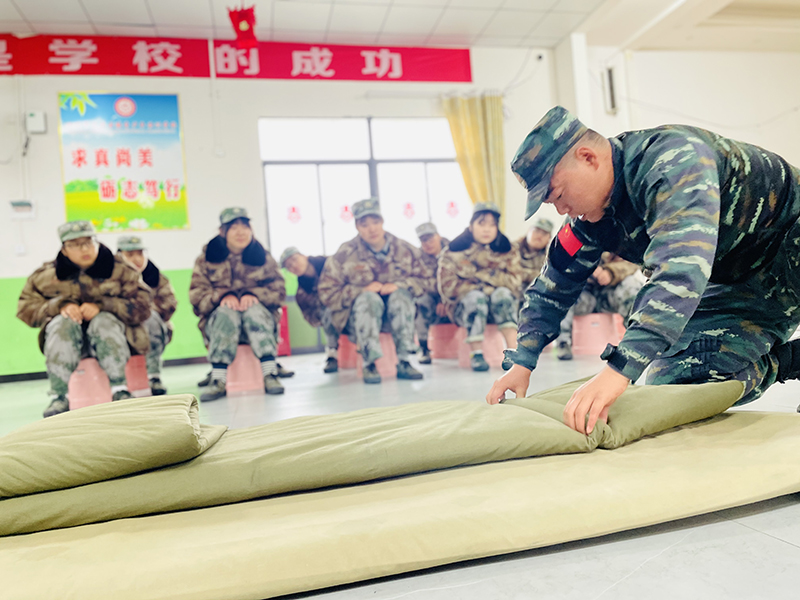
[{"x": 122, "y": 160}]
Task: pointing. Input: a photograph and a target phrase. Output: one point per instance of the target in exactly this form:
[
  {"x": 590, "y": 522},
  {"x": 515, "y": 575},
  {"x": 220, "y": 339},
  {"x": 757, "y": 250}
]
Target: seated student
[
  {"x": 533, "y": 250},
  {"x": 237, "y": 291},
  {"x": 479, "y": 281},
  {"x": 308, "y": 269},
  {"x": 370, "y": 284},
  {"x": 87, "y": 303},
  {"x": 430, "y": 309},
  {"x": 612, "y": 288},
  {"x": 159, "y": 328}
]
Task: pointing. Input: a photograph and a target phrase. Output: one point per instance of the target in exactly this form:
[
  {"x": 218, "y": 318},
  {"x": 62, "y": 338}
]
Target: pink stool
[
  {"x": 386, "y": 364},
  {"x": 347, "y": 353},
  {"x": 136, "y": 376},
  {"x": 591, "y": 333},
  {"x": 89, "y": 384},
  {"x": 244, "y": 373},
  {"x": 493, "y": 346},
  {"x": 443, "y": 340}
]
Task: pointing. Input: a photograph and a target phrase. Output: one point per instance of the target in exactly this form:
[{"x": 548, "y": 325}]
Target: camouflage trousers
[
  {"x": 476, "y": 309},
  {"x": 160, "y": 335},
  {"x": 227, "y": 326},
  {"x": 66, "y": 342},
  {"x": 735, "y": 327},
  {"x": 331, "y": 333},
  {"x": 373, "y": 313},
  {"x": 608, "y": 299},
  {"x": 426, "y": 315}
]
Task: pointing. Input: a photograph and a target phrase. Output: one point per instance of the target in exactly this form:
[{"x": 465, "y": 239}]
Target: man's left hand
[
  {"x": 247, "y": 301},
  {"x": 592, "y": 400},
  {"x": 89, "y": 310}
]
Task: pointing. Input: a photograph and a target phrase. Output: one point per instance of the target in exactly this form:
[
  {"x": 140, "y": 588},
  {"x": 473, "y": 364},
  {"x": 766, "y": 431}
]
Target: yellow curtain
[{"x": 476, "y": 124}]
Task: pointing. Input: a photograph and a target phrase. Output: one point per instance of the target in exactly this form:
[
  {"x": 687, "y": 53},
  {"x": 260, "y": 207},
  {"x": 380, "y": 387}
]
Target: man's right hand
[
  {"x": 441, "y": 310},
  {"x": 231, "y": 302},
  {"x": 516, "y": 379},
  {"x": 72, "y": 311},
  {"x": 375, "y": 286}
]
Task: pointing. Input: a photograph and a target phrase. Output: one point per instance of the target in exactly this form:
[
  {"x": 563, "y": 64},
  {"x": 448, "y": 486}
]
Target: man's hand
[
  {"x": 516, "y": 379},
  {"x": 602, "y": 276},
  {"x": 72, "y": 311},
  {"x": 593, "y": 400},
  {"x": 231, "y": 302},
  {"x": 388, "y": 288},
  {"x": 89, "y": 310},
  {"x": 441, "y": 310},
  {"x": 375, "y": 286},
  {"x": 247, "y": 301}
]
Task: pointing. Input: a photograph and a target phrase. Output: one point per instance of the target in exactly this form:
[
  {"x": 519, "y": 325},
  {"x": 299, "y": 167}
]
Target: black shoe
[
  {"x": 478, "y": 363},
  {"x": 564, "y": 351},
  {"x": 371, "y": 374},
  {"x": 284, "y": 372},
  {"x": 215, "y": 391},
  {"x": 425, "y": 359},
  {"x": 272, "y": 385},
  {"x": 406, "y": 371},
  {"x": 121, "y": 395},
  {"x": 788, "y": 356},
  {"x": 57, "y": 405},
  {"x": 206, "y": 381},
  {"x": 156, "y": 387},
  {"x": 331, "y": 365}
]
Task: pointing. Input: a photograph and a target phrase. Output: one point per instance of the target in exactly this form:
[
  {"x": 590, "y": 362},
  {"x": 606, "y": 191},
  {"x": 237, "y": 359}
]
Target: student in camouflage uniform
[
  {"x": 86, "y": 303},
  {"x": 159, "y": 327},
  {"x": 370, "y": 285},
  {"x": 479, "y": 281},
  {"x": 308, "y": 269},
  {"x": 533, "y": 250},
  {"x": 612, "y": 288},
  {"x": 237, "y": 291},
  {"x": 715, "y": 224},
  {"x": 430, "y": 308}
]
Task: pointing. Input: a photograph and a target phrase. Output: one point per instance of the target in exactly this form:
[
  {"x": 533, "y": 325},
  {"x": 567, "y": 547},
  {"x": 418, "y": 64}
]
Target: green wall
[{"x": 19, "y": 352}]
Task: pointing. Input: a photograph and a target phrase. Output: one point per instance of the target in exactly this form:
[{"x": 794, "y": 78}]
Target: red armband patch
[{"x": 568, "y": 240}]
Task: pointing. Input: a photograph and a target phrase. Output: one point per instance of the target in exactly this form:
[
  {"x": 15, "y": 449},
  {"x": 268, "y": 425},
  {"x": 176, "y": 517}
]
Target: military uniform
[
  {"x": 715, "y": 224},
  {"x": 531, "y": 259},
  {"x": 116, "y": 288},
  {"x": 429, "y": 299}
]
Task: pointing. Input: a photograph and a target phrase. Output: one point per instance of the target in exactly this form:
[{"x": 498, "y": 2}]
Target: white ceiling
[{"x": 511, "y": 23}]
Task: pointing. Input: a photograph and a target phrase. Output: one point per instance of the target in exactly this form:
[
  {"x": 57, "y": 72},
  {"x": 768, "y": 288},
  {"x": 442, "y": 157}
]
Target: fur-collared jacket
[
  {"x": 110, "y": 283},
  {"x": 164, "y": 301}
]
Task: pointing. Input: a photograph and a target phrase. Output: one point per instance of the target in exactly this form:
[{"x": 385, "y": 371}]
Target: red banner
[{"x": 177, "y": 57}]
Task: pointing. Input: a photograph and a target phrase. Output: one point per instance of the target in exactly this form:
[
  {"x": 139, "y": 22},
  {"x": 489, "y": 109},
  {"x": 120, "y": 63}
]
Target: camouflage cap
[
  {"x": 425, "y": 229},
  {"x": 287, "y": 254},
  {"x": 128, "y": 243},
  {"x": 486, "y": 207},
  {"x": 370, "y": 206},
  {"x": 538, "y": 155},
  {"x": 231, "y": 214},
  {"x": 75, "y": 229},
  {"x": 544, "y": 225}
]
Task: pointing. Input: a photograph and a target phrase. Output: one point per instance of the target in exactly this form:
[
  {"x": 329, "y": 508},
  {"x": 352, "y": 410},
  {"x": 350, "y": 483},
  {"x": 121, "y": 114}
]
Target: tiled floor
[{"x": 750, "y": 552}]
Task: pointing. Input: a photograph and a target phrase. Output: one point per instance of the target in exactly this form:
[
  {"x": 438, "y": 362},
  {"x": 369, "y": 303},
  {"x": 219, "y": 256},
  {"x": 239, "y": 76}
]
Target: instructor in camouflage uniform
[
  {"x": 237, "y": 291},
  {"x": 479, "y": 281},
  {"x": 370, "y": 284},
  {"x": 430, "y": 308},
  {"x": 714, "y": 222},
  {"x": 86, "y": 303},
  {"x": 533, "y": 250},
  {"x": 159, "y": 327}
]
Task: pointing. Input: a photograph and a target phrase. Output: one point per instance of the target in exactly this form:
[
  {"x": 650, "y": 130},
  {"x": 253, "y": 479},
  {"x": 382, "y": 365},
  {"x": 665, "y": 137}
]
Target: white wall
[{"x": 221, "y": 142}]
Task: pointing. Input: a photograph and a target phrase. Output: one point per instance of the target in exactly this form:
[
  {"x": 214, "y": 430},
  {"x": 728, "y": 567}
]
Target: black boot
[
  {"x": 425, "y": 358},
  {"x": 788, "y": 356}
]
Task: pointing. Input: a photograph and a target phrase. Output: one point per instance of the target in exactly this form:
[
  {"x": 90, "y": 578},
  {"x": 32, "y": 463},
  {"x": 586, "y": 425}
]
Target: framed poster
[{"x": 122, "y": 161}]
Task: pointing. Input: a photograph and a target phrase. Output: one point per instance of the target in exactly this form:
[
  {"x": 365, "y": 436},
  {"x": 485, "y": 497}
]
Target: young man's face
[
  {"x": 537, "y": 238},
  {"x": 239, "y": 235},
  {"x": 370, "y": 229},
  {"x": 297, "y": 264},
  {"x": 484, "y": 228},
  {"x": 136, "y": 258},
  {"x": 431, "y": 244},
  {"x": 82, "y": 251},
  {"x": 581, "y": 185}
]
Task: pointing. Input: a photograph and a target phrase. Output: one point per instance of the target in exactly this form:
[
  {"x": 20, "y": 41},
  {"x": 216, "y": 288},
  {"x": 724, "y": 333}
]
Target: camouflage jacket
[
  {"x": 307, "y": 296},
  {"x": 531, "y": 261},
  {"x": 354, "y": 266},
  {"x": 110, "y": 283},
  {"x": 432, "y": 262},
  {"x": 468, "y": 265},
  {"x": 164, "y": 301},
  {"x": 691, "y": 207},
  {"x": 618, "y": 268},
  {"x": 218, "y": 273}
]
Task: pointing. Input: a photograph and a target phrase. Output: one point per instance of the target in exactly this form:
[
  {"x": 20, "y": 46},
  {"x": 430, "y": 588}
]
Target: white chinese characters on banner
[
  {"x": 156, "y": 57},
  {"x": 229, "y": 59},
  {"x": 382, "y": 62},
  {"x": 5, "y": 57},
  {"x": 72, "y": 54},
  {"x": 315, "y": 62}
]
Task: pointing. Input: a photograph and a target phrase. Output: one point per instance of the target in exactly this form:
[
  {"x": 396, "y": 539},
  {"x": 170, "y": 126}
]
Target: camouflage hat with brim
[
  {"x": 544, "y": 225},
  {"x": 425, "y": 230},
  {"x": 537, "y": 157},
  {"x": 76, "y": 229},
  {"x": 129, "y": 243},
  {"x": 363, "y": 208},
  {"x": 231, "y": 214},
  {"x": 287, "y": 254},
  {"x": 486, "y": 207}
]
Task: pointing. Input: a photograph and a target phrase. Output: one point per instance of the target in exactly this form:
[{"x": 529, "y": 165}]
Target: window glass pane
[
  {"x": 293, "y": 208},
  {"x": 412, "y": 138},
  {"x": 313, "y": 139},
  {"x": 403, "y": 196},
  {"x": 451, "y": 207},
  {"x": 341, "y": 186}
]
